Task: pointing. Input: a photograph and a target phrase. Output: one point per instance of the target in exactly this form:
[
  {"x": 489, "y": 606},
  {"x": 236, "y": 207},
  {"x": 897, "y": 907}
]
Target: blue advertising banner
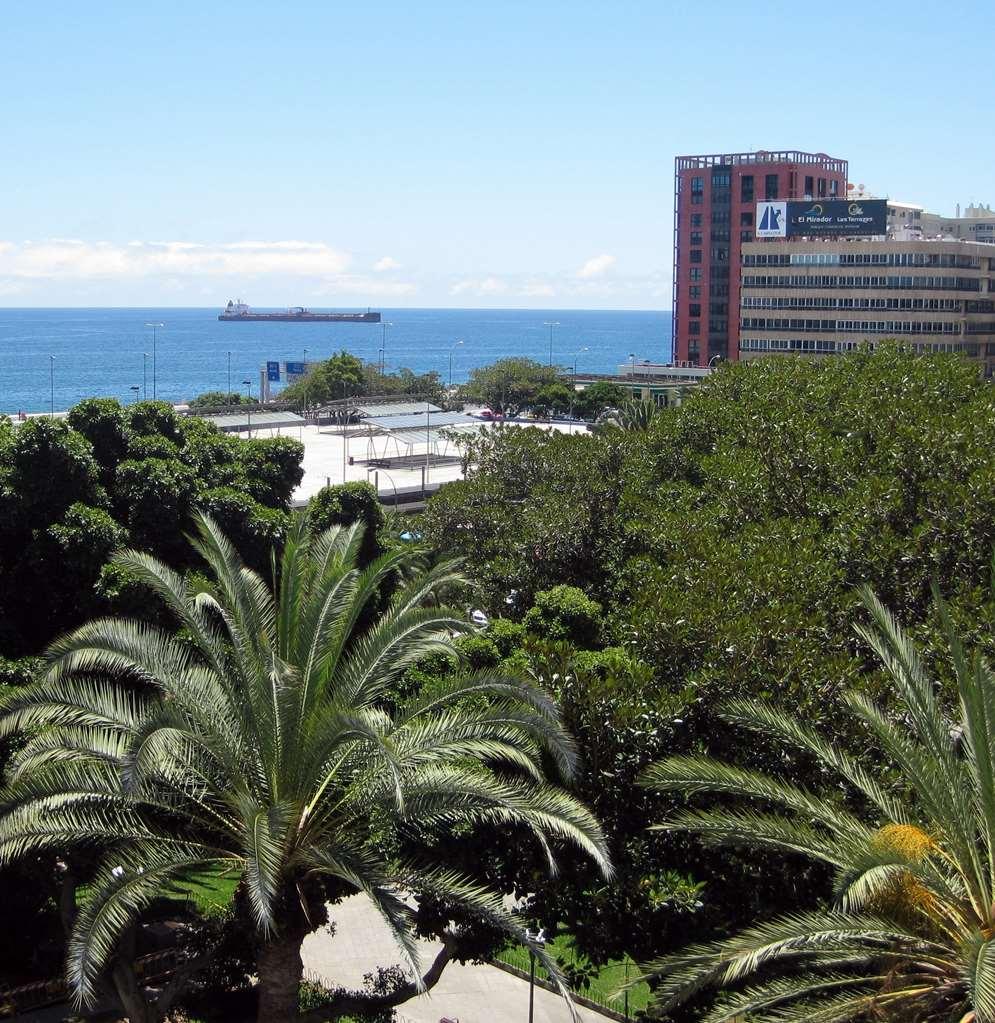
[
  {"x": 838, "y": 217},
  {"x": 273, "y": 372},
  {"x": 834, "y": 217}
]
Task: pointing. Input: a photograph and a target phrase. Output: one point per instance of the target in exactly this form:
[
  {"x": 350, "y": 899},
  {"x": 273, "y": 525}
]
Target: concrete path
[{"x": 470, "y": 994}]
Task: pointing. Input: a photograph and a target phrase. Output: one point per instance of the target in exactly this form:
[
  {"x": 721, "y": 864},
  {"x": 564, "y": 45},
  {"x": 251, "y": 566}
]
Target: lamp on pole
[
  {"x": 248, "y": 411},
  {"x": 573, "y": 382},
  {"x": 145, "y": 375},
  {"x": 551, "y": 324},
  {"x": 134, "y": 389},
  {"x": 51, "y": 381},
  {"x": 155, "y": 327},
  {"x": 451, "y": 350},
  {"x": 714, "y": 358},
  {"x": 380, "y": 360},
  {"x": 383, "y": 344},
  {"x": 228, "y": 399},
  {"x": 539, "y": 940}
]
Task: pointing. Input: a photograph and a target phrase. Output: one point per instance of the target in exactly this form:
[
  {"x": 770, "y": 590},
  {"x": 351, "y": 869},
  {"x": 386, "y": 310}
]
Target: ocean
[{"x": 60, "y": 356}]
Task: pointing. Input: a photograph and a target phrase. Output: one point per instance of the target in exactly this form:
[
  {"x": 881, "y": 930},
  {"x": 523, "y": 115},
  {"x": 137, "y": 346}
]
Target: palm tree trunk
[{"x": 280, "y": 971}]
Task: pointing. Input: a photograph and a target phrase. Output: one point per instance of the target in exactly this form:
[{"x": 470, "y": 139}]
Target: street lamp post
[
  {"x": 714, "y": 358},
  {"x": 248, "y": 411},
  {"x": 380, "y": 360},
  {"x": 155, "y": 327},
  {"x": 632, "y": 374},
  {"x": 551, "y": 324},
  {"x": 383, "y": 345},
  {"x": 51, "y": 381},
  {"x": 539, "y": 940},
  {"x": 451, "y": 350},
  {"x": 573, "y": 382},
  {"x": 145, "y": 374},
  {"x": 228, "y": 399}
]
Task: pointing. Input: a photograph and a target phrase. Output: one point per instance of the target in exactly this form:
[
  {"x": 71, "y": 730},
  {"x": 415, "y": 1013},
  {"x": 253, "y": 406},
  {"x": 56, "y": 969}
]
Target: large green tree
[
  {"x": 908, "y": 831},
  {"x": 265, "y": 740},
  {"x": 725, "y": 544},
  {"x": 509, "y": 385}
]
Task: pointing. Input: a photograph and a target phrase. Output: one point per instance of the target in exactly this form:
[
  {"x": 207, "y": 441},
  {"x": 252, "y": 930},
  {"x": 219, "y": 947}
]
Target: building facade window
[
  {"x": 746, "y": 188},
  {"x": 770, "y": 187},
  {"x": 746, "y": 220},
  {"x": 696, "y": 255}
]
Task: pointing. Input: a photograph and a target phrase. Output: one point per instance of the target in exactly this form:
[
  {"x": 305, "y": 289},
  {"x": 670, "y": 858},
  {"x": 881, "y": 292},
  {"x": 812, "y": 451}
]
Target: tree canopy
[
  {"x": 265, "y": 740},
  {"x": 510, "y": 385}
]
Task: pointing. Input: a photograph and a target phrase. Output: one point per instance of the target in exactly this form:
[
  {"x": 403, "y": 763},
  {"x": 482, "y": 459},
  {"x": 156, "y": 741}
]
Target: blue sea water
[{"x": 83, "y": 352}]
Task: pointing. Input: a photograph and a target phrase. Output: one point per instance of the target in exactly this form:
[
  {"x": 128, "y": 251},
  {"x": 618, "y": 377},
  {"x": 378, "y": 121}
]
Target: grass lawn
[
  {"x": 210, "y": 892},
  {"x": 603, "y": 984}
]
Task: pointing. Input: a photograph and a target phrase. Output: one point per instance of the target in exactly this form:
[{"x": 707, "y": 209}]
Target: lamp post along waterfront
[
  {"x": 145, "y": 375},
  {"x": 248, "y": 409},
  {"x": 573, "y": 381},
  {"x": 51, "y": 382},
  {"x": 551, "y": 324},
  {"x": 383, "y": 344},
  {"x": 228, "y": 399},
  {"x": 155, "y": 327}
]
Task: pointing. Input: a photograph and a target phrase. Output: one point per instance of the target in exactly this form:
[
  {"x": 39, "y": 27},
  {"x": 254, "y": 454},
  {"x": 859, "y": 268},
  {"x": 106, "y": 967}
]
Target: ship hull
[{"x": 300, "y": 317}]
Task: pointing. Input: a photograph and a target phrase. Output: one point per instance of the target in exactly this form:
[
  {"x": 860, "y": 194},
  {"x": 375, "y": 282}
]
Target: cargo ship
[{"x": 238, "y": 311}]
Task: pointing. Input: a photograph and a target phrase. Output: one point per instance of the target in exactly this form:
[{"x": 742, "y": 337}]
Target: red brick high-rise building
[{"x": 715, "y": 201}]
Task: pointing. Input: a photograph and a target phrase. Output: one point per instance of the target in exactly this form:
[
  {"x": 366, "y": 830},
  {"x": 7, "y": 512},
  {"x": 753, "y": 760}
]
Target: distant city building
[
  {"x": 824, "y": 296},
  {"x": 909, "y": 221},
  {"x": 715, "y": 207}
]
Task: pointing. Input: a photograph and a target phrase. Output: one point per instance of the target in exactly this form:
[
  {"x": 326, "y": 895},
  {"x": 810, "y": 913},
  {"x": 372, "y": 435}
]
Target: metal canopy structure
[
  {"x": 424, "y": 420},
  {"x": 399, "y": 408},
  {"x": 231, "y": 422}
]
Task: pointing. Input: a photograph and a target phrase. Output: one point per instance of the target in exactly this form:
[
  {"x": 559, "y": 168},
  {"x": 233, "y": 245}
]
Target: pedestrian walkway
[{"x": 470, "y": 994}]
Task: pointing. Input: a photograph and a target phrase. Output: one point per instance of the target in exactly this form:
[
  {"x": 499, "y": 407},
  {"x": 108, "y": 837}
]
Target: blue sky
[{"x": 442, "y": 154}]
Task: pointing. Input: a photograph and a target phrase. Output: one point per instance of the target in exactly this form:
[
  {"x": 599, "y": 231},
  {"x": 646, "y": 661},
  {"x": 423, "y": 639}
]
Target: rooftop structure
[
  {"x": 715, "y": 199},
  {"x": 822, "y": 297}
]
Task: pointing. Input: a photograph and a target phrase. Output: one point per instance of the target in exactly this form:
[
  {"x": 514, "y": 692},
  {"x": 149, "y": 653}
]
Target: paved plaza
[
  {"x": 327, "y": 453},
  {"x": 470, "y": 994}
]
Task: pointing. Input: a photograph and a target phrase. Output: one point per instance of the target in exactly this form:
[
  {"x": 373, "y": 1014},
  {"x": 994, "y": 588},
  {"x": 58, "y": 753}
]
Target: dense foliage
[
  {"x": 725, "y": 542},
  {"x": 74, "y": 490},
  {"x": 344, "y": 376},
  {"x": 907, "y": 934},
  {"x": 217, "y": 399},
  {"x": 264, "y": 740},
  {"x": 511, "y": 385}
]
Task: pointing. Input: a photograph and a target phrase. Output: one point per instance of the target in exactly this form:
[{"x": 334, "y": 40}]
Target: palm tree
[
  {"x": 261, "y": 740},
  {"x": 635, "y": 415},
  {"x": 910, "y": 931}
]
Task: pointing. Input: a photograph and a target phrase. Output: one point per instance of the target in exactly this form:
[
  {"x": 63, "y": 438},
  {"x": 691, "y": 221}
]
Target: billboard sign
[
  {"x": 824, "y": 217},
  {"x": 273, "y": 372},
  {"x": 838, "y": 217},
  {"x": 772, "y": 219}
]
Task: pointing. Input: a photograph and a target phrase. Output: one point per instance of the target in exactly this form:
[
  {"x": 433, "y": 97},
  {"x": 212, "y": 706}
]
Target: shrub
[{"x": 565, "y": 613}]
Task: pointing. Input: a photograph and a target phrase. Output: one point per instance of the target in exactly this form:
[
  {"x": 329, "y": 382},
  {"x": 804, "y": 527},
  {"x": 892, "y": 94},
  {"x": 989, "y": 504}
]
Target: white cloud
[
  {"x": 387, "y": 263},
  {"x": 596, "y": 266},
  {"x": 474, "y": 286},
  {"x": 74, "y": 259},
  {"x": 536, "y": 289},
  {"x": 356, "y": 284}
]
